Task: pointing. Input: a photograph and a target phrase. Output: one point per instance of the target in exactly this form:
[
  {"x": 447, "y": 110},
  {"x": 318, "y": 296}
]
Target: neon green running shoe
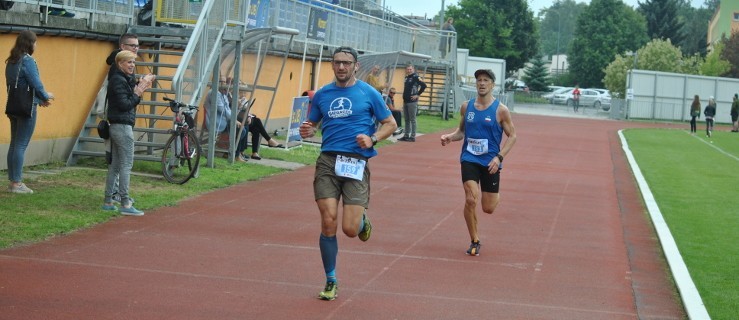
[
  {"x": 330, "y": 292},
  {"x": 366, "y": 232}
]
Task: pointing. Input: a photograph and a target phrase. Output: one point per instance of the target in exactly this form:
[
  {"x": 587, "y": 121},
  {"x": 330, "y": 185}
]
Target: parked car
[
  {"x": 605, "y": 101},
  {"x": 588, "y": 97},
  {"x": 550, "y": 96}
]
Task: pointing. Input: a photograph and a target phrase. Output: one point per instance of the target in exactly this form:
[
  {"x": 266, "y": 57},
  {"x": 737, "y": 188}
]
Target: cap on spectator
[
  {"x": 487, "y": 72},
  {"x": 348, "y": 50}
]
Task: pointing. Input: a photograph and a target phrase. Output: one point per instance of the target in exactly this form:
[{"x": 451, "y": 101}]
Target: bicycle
[{"x": 181, "y": 155}]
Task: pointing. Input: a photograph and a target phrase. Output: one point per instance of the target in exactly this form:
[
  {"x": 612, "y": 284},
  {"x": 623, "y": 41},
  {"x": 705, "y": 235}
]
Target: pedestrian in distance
[
  {"x": 576, "y": 97},
  {"x": 413, "y": 87},
  {"x": 695, "y": 112},
  {"x": 21, "y": 71},
  {"x": 445, "y": 43},
  {"x": 346, "y": 109},
  {"x": 124, "y": 95},
  {"x": 735, "y": 114},
  {"x": 483, "y": 121},
  {"x": 710, "y": 112}
]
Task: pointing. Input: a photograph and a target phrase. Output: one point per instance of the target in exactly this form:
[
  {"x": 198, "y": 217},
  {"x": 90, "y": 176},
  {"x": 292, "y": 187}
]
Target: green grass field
[{"x": 695, "y": 181}]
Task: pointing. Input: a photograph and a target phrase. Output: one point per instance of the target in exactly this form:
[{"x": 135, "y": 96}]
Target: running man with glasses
[
  {"x": 347, "y": 109},
  {"x": 483, "y": 122}
]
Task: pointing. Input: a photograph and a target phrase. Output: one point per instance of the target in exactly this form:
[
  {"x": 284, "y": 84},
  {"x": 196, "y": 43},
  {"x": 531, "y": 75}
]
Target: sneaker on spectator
[
  {"x": 20, "y": 188},
  {"x": 109, "y": 207},
  {"x": 130, "y": 211}
]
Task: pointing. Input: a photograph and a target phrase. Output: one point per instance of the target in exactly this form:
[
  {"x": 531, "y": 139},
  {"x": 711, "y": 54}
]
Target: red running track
[{"x": 570, "y": 240}]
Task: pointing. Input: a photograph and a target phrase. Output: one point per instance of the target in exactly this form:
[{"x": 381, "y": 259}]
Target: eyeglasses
[
  {"x": 343, "y": 63},
  {"x": 392, "y": 92},
  {"x": 132, "y": 45}
]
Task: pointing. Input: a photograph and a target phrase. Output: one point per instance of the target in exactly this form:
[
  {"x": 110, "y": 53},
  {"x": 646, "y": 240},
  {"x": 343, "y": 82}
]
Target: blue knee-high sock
[{"x": 329, "y": 250}]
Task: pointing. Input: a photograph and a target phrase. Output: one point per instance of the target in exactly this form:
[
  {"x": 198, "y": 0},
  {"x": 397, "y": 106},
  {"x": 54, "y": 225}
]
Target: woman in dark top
[
  {"x": 695, "y": 112},
  {"x": 124, "y": 94},
  {"x": 710, "y": 112}
]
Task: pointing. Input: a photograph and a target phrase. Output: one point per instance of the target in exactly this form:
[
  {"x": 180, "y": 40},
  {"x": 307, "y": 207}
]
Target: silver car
[{"x": 588, "y": 97}]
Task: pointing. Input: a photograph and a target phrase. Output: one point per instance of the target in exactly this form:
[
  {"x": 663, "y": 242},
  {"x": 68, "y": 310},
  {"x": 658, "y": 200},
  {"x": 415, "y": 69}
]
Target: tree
[
  {"x": 662, "y": 18},
  {"x": 695, "y": 30},
  {"x": 715, "y": 66},
  {"x": 731, "y": 54},
  {"x": 536, "y": 75},
  {"x": 657, "y": 55},
  {"x": 605, "y": 28},
  {"x": 497, "y": 29},
  {"x": 558, "y": 26}
]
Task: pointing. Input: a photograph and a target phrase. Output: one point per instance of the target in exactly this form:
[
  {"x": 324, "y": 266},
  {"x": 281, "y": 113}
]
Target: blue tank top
[{"x": 482, "y": 134}]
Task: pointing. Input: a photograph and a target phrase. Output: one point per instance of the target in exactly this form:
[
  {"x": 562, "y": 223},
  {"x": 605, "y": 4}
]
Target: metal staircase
[
  {"x": 443, "y": 95},
  {"x": 160, "y": 54}
]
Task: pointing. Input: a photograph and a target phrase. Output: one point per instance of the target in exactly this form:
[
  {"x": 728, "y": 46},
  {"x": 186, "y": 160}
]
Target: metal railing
[
  {"x": 201, "y": 52},
  {"x": 93, "y": 10}
]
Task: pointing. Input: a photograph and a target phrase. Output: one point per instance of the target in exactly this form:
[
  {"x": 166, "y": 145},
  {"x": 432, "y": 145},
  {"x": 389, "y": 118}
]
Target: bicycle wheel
[{"x": 181, "y": 158}]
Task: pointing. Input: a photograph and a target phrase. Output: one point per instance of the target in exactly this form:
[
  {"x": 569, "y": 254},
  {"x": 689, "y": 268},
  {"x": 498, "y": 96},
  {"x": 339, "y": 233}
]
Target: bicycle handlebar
[{"x": 176, "y": 106}]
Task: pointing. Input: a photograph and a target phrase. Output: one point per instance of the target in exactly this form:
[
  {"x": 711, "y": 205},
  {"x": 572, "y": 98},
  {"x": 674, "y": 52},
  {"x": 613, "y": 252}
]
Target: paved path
[{"x": 570, "y": 240}]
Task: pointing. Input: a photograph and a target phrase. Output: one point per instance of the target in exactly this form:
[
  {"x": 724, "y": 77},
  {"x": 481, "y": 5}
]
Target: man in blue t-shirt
[
  {"x": 347, "y": 110},
  {"x": 483, "y": 121}
]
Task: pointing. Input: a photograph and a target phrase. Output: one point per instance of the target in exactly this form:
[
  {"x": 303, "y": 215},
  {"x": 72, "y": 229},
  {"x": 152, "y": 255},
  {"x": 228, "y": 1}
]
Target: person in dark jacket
[
  {"x": 412, "y": 89},
  {"x": 695, "y": 112},
  {"x": 130, "y": 42},
  {"x": 735, "y": 114},
  {"x": 123, "y": 95},
  {"x": 21, "y": 67},
  {"x": 710, "y": 112}
]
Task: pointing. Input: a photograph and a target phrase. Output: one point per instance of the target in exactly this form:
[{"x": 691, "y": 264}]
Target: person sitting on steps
[{"x": 256, "y": 128}]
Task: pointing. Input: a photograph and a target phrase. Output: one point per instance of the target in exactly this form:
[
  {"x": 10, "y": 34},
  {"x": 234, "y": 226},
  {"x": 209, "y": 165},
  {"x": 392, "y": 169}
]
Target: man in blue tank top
[
  {"x": 481, "y": 127},
  {"x": 347, "y": 109}
]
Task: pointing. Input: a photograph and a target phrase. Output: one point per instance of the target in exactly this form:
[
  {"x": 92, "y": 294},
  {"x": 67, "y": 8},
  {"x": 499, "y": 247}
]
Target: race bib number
[
  {"x": 350, "y": 167},
  {"x": 477, "y": 146}
]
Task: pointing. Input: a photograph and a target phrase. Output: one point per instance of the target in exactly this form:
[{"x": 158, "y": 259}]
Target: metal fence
[{"x": 668, "y": 96}]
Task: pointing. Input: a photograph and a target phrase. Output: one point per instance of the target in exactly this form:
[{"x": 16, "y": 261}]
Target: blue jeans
[{"x": 21, "y": 130}]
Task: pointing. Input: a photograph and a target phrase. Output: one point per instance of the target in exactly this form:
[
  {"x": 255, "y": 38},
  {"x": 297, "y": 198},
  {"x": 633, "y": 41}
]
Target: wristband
[{"x": 500, "y": 157}]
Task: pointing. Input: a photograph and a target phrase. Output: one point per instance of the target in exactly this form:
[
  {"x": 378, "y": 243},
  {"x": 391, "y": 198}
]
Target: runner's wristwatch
[
  {"x": 500, "y": 157},
  {"x": 374, "y": 140}
]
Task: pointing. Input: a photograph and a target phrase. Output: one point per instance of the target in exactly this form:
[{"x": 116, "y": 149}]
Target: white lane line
[{"x": 688, "y": 292}]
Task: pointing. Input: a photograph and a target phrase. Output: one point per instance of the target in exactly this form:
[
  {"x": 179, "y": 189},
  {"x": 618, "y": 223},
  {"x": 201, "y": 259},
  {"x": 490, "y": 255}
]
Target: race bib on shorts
[
  {"x": 477, "y": 146},
  {"x": 350, "y": 167}
]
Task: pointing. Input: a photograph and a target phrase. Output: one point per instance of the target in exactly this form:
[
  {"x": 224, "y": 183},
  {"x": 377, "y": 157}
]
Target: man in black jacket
[{"x": 413, "y": 87}]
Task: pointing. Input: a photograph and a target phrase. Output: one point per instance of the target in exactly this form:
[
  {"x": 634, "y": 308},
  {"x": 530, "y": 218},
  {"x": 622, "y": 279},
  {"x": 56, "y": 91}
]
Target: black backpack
[{"x": 6, "y": 5}]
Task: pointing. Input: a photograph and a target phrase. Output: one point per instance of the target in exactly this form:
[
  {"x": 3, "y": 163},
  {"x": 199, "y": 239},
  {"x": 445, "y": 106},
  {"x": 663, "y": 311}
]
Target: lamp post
[
  {"x": 559, "y": 31},
  {"x": 630, "y": 90}
]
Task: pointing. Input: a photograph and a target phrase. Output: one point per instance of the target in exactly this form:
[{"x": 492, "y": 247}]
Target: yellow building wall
[{"x": 73, "y": 70}]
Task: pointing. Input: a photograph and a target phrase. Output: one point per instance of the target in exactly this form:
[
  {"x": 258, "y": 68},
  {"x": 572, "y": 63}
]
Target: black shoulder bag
[{"x": 20, "y": 99}]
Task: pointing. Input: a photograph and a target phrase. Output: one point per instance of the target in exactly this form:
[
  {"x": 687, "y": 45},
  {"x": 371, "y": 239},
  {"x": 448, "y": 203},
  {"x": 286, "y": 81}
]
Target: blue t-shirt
[
  {"x": 346, "y": 113},
  {"x": 482, "y": 134}
]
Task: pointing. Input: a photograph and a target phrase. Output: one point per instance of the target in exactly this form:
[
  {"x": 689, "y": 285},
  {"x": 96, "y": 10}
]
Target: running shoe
[
  {"x": 330, "y": 292},
  {"x": 366, "y": 232},
  {"x": 474, "y": 249}
]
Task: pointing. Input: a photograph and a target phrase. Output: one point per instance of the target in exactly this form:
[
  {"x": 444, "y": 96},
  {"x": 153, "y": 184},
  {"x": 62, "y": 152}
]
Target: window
[{"x": 736, "y": 16}]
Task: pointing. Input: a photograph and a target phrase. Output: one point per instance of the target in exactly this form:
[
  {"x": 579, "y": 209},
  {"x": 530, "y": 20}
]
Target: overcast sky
[{"x": 430, "y": 8}]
